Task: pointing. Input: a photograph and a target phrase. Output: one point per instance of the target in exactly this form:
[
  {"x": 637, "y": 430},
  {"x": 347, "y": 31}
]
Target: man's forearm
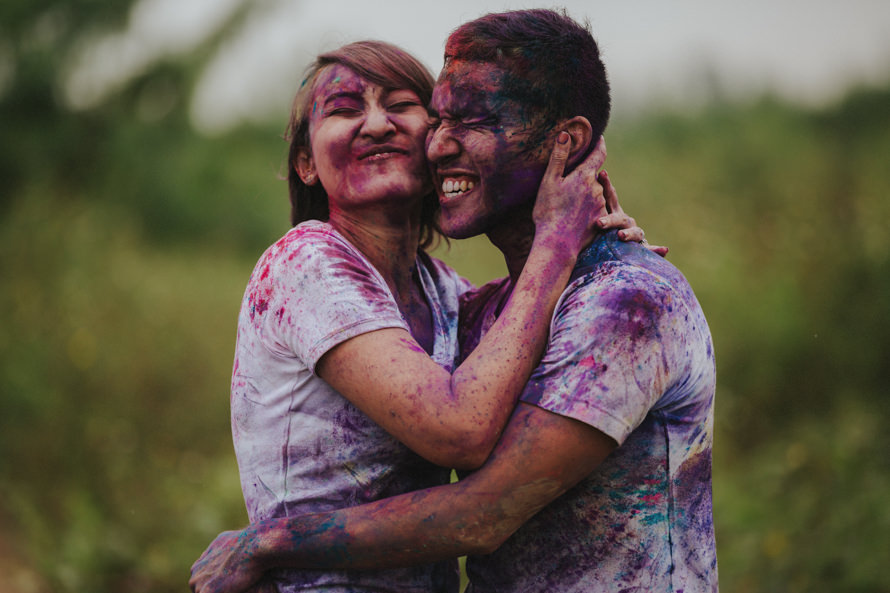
[
  {"x": 539, "y": 457},
  {"x": 416, "y": 528}
]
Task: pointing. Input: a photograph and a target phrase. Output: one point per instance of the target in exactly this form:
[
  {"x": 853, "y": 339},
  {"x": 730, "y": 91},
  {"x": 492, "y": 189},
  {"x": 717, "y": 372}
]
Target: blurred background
[{"x": 140, "y": 179}]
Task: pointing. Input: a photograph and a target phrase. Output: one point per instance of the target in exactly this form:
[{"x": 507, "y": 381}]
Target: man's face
[{"x": 486, "y": 154}]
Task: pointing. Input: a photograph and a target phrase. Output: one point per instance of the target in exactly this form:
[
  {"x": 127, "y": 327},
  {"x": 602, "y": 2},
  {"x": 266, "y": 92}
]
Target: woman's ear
[
  {"x": 305, "y": 166},
  {"x": 581, "y": 133}
]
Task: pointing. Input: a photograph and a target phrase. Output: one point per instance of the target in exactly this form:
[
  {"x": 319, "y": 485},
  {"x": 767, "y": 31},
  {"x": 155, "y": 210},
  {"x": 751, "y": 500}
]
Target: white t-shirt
[
  {"x": 630, "y": 354},
  {"x": 301, "y": 446}
]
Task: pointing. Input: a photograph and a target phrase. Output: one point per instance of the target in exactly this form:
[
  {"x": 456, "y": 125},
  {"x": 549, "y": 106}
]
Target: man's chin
[{"x": 461, "y": 229}]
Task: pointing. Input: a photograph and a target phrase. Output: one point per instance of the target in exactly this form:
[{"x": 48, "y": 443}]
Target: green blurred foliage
[
  {"x": 126, "y": 240},
  {"x": 779, "y": 216}
]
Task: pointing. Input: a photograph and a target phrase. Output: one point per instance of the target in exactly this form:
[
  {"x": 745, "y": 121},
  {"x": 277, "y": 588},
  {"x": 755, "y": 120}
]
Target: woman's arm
[{"x": 455, "y": 419}]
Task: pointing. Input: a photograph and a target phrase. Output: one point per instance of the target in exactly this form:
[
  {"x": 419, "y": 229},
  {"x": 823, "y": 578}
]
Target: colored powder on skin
[{"x": 412, "y": 346}]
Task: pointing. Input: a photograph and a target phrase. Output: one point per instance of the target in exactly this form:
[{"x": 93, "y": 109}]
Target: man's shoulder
[
  {"x": 626, "y": 273},
  {"x": 623, "y": 287},
  {"x": 608, "y": 249}
]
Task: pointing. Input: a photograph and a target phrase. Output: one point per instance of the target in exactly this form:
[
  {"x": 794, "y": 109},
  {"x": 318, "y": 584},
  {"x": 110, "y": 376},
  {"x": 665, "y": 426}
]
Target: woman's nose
[{"x": 377, "y": 123}]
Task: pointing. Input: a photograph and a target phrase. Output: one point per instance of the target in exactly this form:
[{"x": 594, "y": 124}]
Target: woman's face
[{"x": 367, "y": 142}]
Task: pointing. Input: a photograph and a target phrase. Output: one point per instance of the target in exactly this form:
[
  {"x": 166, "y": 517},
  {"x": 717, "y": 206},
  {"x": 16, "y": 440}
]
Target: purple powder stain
[{"x": 411, "y": 345}]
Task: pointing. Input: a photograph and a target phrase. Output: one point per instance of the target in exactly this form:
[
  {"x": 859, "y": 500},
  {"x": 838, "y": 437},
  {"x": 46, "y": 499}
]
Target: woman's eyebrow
[{"x": 343, "y": 95}]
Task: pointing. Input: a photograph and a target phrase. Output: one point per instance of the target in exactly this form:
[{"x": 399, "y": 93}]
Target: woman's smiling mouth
[{"x": 381, "y": 153}]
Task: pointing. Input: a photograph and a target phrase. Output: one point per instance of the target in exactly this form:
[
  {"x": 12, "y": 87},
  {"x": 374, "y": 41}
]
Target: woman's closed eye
[
  {"x": 403, "y": 105},
  {"x": 343, "y": 111},
  {"x": 343, "y": 106}
]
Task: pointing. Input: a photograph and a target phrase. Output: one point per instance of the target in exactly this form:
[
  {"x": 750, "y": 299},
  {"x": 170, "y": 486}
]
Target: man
[{"x": 602, "y": 478}]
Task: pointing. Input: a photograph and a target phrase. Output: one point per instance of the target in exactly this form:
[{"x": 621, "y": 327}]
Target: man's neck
[{"x": 514, "y": 236}]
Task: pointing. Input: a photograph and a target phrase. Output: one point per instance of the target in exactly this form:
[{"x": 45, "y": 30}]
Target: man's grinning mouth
[{"x": 452, "y": 188}]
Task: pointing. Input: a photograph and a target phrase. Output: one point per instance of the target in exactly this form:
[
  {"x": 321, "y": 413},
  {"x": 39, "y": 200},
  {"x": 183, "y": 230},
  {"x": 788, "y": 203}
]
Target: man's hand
[{"x": 228, "y": 565}]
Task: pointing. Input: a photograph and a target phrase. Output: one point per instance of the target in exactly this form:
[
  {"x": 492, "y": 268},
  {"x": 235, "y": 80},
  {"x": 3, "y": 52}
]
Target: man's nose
[{"x": 441, "y": 145}]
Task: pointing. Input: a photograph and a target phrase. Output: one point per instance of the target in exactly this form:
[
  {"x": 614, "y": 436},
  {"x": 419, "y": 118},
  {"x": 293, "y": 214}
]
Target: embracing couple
[{"x": 575, "y": 396}]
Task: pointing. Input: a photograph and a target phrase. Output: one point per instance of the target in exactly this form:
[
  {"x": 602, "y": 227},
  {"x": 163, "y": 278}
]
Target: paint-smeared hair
[
  {"x": 378, "y": 62},
  {"x": 554, "y": 61}
]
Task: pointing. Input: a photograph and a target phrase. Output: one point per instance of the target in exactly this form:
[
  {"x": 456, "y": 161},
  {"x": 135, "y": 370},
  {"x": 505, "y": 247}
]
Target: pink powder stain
[
  {"x": 653, "y": 498},
  {"x": 588, "y": 362}
]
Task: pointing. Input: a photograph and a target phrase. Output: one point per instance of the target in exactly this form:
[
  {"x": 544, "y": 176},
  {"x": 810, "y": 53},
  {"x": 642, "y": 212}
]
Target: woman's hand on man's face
[{"x": 569, "y": 206}]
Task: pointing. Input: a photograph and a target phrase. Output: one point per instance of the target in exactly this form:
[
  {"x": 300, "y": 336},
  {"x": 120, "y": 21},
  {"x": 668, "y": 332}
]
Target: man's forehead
[{"x": 464, "y": 81}]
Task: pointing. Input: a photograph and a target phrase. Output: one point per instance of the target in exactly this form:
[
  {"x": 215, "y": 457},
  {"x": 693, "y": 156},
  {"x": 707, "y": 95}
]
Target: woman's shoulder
[
  {"x": 307, "y": 241},
  {"x": 307, "y": 253},
  {"x": 442, "y": 273},
  {"x": 309, "y": 232}
]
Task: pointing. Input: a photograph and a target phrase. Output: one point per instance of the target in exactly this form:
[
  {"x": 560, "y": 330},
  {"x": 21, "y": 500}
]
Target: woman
[{"x": 344, "y": 389}]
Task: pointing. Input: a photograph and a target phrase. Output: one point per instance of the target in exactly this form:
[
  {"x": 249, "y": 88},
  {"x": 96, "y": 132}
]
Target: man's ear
[
  {"x": 305, "y": 166},
  {"x": 581, "y": 133}
]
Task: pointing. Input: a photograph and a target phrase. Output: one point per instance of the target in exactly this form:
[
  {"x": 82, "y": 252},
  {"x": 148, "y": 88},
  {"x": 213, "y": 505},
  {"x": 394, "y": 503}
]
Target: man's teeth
[{"x": 455, "y": 187}]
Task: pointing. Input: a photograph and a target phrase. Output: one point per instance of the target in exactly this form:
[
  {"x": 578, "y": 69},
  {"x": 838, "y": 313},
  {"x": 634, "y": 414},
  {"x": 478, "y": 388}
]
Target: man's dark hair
[{"x": 554, "y": 62}]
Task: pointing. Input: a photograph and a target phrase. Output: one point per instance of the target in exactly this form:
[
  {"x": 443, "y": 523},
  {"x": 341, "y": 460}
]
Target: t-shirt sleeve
[
  {"x": 317, "y": 292},
  {"x": 606, "y": 362}
]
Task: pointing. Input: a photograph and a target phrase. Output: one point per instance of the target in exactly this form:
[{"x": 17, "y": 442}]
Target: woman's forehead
[{"x": 339, "y": 78}]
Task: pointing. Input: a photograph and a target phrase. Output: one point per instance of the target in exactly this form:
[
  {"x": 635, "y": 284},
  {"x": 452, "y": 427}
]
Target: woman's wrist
[{"x": 559, "y": 242}]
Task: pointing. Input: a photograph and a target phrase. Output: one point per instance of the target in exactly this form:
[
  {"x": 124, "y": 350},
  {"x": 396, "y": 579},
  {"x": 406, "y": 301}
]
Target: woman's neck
[{"x": 389, "y": 243}]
